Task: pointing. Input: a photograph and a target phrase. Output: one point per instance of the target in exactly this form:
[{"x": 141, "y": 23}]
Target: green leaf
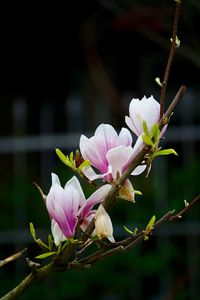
[
  {"x": 32, "y": 230},
  {"x": 84, "y": 164},
  {"x": 155, "y": 131},
  {"x": 46, "y": 254},
  {"x": 149, "y": 228},
  {"x": 147, "y": 140},
  {"x": 135, "y": 231},
  {"x": 62, "y": 157},
  {"x": 73, "y": 241},
  {"x": 150, "y": 224},
  {"x": 71, "y": 158},
  {"x": 67, "y": 243},
  {"x": 41, "y": 244},
  {"x": 65, "y": 159},
  {"x": 146, "y": 131},
  {"x": 128, "y": 230},
  {"x": 137, "y": 192},
  {"x": 38, "y": 241},
  {"x": 164, "y": 152}
]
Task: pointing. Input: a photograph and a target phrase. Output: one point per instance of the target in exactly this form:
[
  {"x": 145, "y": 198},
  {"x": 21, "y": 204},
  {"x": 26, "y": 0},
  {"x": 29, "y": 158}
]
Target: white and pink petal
[
  {"x": 125, "y": 137},
  {"x": 118, "y": 158},
  {"x": 97, "y": 197},
  {"x": 57, "y": 233}
]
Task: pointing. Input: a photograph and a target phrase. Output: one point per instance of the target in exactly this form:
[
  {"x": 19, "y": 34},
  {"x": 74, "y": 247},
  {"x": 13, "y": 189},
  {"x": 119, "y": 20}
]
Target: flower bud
[{"x": 103, "y": 224}]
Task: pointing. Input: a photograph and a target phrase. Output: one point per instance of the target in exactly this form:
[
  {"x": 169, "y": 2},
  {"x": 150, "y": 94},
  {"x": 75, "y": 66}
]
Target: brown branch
[
  {"x": 170, "y": 58},
  {"x": 133, "y": 241},
  {"x": 12, "y": 257},
  {"x": 164, "y": 219},
  {"x": 85, "y": 263},
  {"x": 165, "y": 119},
  {"x": 100, "y": 255}
]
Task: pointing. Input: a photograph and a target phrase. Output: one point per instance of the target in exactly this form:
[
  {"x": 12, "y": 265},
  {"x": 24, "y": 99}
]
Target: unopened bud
[
  {"x": 157, "y": 80},
  {"x": 103, "y": 224},
  {"x": 178, "y": 42},
  {"x": 127, "y": 192}
]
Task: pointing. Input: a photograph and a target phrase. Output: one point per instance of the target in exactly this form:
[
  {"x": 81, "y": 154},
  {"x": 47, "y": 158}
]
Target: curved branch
[
  {"x": 170, "y": 58},
  {"x": 128, "y": 243}
]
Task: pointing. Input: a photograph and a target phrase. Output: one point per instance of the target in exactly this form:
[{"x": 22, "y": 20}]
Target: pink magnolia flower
[
  {"x": 67, "y": 206},
  {"x": 96, "y": 148},
  {"x": 109, "y": 153},
  {"x": 146, "y": 109}
]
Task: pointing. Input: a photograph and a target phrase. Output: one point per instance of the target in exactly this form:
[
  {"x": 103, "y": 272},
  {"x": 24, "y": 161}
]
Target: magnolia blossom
[
  {"x": 103, "y": 224},
  {"x": 58, "y": 236},
  {"x": 110, "y": 153},
  {"x": 67, "y": 206},
  {"x": 146, "y": 109}
]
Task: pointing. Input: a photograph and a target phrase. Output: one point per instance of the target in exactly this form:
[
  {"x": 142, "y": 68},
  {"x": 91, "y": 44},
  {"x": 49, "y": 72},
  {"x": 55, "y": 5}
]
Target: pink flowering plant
[{"x": 108, "y": 160}]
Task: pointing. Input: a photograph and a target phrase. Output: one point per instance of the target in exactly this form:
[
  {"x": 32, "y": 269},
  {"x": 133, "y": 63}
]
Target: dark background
[{"x": 64, "y": 69}]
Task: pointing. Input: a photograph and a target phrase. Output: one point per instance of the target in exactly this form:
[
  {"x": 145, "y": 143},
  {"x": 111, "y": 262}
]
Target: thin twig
[
  {"x": 175, "y": 101},
  {"x": 86, "y": 262},
  {"x": 164, "y": 219},
  {"x": 99, "y": 255},
  {"x": 185, "y": 209},
  {"x": 86, "y": 246},
  {"x": 11, "y": 257},
  {"x": 170, "y": 58}
]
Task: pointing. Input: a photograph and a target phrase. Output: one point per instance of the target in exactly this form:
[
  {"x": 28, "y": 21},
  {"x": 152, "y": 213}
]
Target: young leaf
[
  {"x": 41, "y": 243},
  {"x": 147, "y": 140},
  {"x": 62, "y": 157},
  {"x": 65, "y": 159},
  {"x": 32, "y": 231},
  {"x": 128, "y": 230},
  {"x": 71, "y": 158},
  {"x": 138, "y": 192},
  {"x": 84, "y": 164},
  {"x": 135, "y": 231},
  {"x": 164, "y": 152},
  {"x": 46, "y": 254},
  {"x": 146, "y": 131},
  {"x": 155, "y": 132},
  {"x": 150, "y": 225}
]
